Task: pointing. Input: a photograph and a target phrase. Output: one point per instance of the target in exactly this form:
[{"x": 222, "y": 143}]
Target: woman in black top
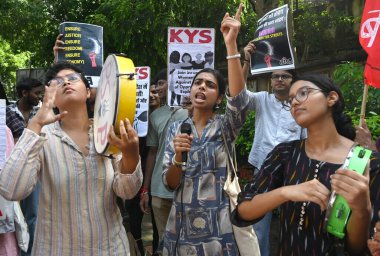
[{"x": 298, "y": 176}]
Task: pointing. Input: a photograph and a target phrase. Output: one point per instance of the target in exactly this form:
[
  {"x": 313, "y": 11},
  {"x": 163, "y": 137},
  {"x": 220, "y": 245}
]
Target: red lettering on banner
[
  {"x": 174, "y": 35},
  {"x": 102, "y": 134},
  {"x": 206, "y": 35},
  {"x": 142, "y": 73},
  {"x": 191, "y": 35}
]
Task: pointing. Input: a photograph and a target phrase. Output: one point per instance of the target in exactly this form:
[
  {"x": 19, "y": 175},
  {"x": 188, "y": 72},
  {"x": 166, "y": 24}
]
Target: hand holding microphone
[{"x": 182, "y": 145}]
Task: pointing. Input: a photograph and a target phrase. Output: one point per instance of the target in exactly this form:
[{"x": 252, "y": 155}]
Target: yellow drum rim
[{"x": 126, "y": 96}]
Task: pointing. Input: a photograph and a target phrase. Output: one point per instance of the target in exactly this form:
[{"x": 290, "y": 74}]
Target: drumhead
[{"x": 115, "y": 100}]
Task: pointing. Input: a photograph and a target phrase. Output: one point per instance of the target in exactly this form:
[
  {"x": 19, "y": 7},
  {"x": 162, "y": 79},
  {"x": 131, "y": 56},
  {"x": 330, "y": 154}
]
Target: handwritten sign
[{"x": 140, "y": 123}]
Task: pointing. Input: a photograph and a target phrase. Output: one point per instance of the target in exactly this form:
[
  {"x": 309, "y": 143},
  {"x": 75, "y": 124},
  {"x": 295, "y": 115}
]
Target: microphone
[{"x": 185, "y": 128}]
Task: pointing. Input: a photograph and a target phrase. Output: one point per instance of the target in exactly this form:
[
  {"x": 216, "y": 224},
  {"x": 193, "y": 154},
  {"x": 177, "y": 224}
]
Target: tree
[
  {"x": 10, "y": 62},
  {"x": 33, "y": 25},
  {"x": 137, "y": 28},
  {"x": 349, "y": 76},
  {"x": 326, "y": 30}
]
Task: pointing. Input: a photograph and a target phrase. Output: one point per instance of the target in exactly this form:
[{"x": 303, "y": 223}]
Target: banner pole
[{"x": 364, "y": 104}]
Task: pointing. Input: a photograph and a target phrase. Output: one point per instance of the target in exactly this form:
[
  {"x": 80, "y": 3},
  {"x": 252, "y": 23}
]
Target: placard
[
  {"x": 83, "y": 46},
  {"x": 140, "y": 123},
  {"x": 273, "y": 49},
  {"x": 189, "y": 50}
]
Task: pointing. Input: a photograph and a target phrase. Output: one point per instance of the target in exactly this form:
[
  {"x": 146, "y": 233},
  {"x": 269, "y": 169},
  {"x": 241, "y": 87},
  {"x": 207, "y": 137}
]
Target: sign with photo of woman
[{"x": 189, "y": 50}]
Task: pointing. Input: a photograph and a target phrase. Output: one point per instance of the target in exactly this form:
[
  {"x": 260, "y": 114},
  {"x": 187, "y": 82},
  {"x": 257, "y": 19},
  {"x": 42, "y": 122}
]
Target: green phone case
[{"x": 340, "y": 211}]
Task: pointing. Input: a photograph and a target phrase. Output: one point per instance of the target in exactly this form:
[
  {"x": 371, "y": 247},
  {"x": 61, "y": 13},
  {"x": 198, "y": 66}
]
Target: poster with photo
[
  {"x": 83, "y": 46},
  {"x": 273, "y": 49},
  {"x": 189, "y": 50},
  {"x": 140, "y": 124}
]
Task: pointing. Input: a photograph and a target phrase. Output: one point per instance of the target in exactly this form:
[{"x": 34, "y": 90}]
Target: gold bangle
[{"x": 178, "y": 164}]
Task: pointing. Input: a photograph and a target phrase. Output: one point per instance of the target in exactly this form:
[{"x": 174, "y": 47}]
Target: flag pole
[{"x": 364, "y": 104}]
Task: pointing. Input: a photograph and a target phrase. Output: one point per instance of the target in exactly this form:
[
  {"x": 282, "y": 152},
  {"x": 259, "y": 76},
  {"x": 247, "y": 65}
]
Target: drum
[{"x": 115, "y": 100}]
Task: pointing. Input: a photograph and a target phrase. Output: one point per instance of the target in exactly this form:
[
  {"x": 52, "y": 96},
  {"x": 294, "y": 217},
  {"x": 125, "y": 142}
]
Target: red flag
[{"x": 369, "y": 37}]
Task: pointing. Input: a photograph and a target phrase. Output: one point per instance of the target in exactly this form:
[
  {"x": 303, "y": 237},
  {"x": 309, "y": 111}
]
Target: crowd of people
[{"x": 78, "y": 202}]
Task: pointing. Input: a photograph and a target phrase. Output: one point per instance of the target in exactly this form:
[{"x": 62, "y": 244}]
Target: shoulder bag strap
[{"x": 231, "y": 155}]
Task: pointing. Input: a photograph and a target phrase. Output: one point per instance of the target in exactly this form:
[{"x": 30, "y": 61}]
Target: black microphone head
[{"x": 186, "y": 128}]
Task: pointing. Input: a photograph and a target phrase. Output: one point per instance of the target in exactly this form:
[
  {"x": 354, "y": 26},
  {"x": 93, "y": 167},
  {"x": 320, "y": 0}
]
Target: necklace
[{"x": 305, "y": 204}]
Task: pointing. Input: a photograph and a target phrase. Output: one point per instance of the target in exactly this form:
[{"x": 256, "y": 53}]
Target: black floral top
[{"x": 286, "y": 165}]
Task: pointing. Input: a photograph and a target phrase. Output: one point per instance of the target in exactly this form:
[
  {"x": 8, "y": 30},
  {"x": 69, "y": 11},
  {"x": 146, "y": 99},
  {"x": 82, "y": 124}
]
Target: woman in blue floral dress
[{"x": 199, "y": 221}]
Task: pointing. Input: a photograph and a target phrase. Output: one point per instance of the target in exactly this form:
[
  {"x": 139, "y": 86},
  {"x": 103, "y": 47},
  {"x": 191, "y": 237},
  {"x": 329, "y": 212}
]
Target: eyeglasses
[
  {"x": 60, "y": 80},
  {"x": 301, "y": 96},
  {"x": 282, "y": 77}
]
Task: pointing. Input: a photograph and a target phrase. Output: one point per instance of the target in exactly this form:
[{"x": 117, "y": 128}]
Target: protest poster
[
  {"x": 140, "y": 124},
  {"x": 189, "y": 50},
  {"x": 83, "y": 46},
  {"x": 273, "y": 49}
]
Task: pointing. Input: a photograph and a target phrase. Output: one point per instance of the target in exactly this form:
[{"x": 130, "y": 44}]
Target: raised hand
[
  {"x": 249, "y": 49},
  {"x": 310, "y": 191},
  {"x": 230, "y": 26},
  {"x": 57, "y": 47},
  {"x": 45, "y": 114}
]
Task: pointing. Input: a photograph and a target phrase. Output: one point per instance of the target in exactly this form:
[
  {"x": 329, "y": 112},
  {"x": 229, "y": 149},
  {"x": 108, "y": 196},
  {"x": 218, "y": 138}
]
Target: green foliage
[
  {"x": 350, "y": 78},
  {"x": 10, "y": 62},
  {"x": 320, "y": 31},
  {"x": 137, "y": 28},
  {"x": 245, "y": 139},
  {"x": 26, "y": 25}
]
